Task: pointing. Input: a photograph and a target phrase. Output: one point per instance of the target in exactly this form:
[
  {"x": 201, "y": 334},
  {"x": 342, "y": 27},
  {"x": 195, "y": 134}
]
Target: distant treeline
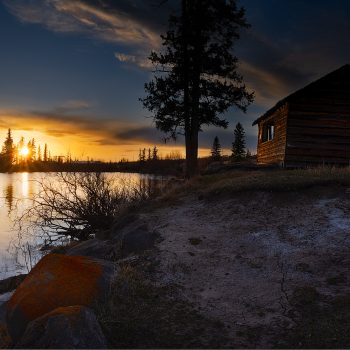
[
  {"x": 32, "y": 158},
  {"x": 27, "y": 156}
]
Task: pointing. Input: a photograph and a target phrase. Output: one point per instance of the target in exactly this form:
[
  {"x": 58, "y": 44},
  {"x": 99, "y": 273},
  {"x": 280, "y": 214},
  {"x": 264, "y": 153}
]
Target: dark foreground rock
[
  {"x": 57, "y": 281},
  {"x": 72, "y": 327},
  {"x": 136, "y": 241},
  {"x": 11, "y": 283},
  {"x": 94, "y": 248}
]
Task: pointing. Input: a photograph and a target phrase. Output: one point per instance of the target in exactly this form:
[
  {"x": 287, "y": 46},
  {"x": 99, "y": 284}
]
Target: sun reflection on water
[{"x": 25, "y": 184}]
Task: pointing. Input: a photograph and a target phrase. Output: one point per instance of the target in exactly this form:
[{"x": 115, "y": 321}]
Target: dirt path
[{"x": 242, "y": 260}]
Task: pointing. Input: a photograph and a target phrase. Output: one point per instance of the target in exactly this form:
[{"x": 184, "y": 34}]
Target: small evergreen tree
[
  {"x": 8, "y": 150},
  {"x": 32, "y": 150},
  {"x": 140, "y": 155},
  {"x": 155, "y": 153},
  {"x": 216, "y": 149},
  {"x": 45, "y": 153},
  {"x": 238, "y": 146},
  {"x": 39, "y": 154}
]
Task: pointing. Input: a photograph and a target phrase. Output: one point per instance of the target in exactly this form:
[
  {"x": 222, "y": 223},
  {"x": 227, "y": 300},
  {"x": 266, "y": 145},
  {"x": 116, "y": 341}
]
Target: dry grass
[
  {"x": 270, "y": 181},
  {"x": 139, "y": 314}
]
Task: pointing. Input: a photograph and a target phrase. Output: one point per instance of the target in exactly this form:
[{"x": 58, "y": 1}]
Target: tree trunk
[
  {"x": 191, "y": 139},
  {"x": 192, "y": 154}
]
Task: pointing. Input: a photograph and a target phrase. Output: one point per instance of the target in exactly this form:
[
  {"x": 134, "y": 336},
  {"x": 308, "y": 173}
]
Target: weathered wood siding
[
  {"x": 273, "y": 151},
  {"x": 318, "y": 127}
]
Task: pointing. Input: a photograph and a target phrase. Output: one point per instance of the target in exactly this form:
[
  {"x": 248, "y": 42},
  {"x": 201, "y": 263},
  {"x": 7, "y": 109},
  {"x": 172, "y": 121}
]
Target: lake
[{"x": 17, "y": 191}]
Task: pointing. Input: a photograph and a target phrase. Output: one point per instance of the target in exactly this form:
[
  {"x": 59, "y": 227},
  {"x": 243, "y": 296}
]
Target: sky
[{"x": 72, "y": 72}]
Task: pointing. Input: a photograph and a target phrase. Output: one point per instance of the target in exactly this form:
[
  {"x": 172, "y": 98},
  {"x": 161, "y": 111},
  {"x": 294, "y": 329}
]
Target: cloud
[
  {"x": 102, "y": 20},
  {"x": 101, "y": 131},
  {"x": 141, "y": 61}
]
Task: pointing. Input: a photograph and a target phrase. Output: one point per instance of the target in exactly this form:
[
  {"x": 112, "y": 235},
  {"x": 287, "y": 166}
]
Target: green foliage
[
  {"x": 216, "y": 149},
  {"x": 238, "y": 146}
]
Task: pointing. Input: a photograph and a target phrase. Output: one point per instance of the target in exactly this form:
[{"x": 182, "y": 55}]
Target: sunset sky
[{"x": 71, "y": 72}]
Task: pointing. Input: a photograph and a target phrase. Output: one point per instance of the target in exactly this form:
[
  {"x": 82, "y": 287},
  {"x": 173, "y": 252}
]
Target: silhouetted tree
[
  {"x": 149, "y": 154},
  {"x": 8, "y": 151},
  {"x": 196, "y": 75},
  {"x": 39, "y": 154},
  {"x": 216, "y": 149},
  {"x": 32, "y": 151},
  {"x": 140, "y": 155},
  {"x": 46, "y": 156},
  {"x": 238, "y": 146},
  {"x": 155, "y": 153}
]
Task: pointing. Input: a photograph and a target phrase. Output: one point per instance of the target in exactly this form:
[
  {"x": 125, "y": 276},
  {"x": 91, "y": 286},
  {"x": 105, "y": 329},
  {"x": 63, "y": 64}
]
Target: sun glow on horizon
[{"x": 24, "y": 152}]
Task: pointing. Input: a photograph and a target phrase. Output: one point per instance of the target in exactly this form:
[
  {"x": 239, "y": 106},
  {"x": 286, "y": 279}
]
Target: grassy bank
[{"x": 267, "y": 180}]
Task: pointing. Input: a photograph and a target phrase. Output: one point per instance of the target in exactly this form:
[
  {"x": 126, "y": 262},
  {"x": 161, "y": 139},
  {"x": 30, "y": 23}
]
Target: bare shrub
[{"x": 77, "y": 205}]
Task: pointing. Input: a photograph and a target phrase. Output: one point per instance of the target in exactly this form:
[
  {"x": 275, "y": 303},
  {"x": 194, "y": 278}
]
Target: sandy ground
[{"x": 240, "y": 259}]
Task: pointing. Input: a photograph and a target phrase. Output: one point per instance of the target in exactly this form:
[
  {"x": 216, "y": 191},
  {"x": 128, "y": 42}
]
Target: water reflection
[
  {"x": 9, "y": 198},
  {"x": 17, "y": 191},
  {"x": 25, "y": 184}
]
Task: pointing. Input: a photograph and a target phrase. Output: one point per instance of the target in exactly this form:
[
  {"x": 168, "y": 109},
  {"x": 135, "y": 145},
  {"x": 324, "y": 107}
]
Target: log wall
[
  {"x": 318, "y": 129},
  {"x": 273, "y": 151}
]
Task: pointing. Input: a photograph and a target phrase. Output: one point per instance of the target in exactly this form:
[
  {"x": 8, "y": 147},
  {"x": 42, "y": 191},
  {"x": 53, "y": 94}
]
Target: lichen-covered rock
[
  {"x": 72, "y": 327},
  {"x": 57, "y": 281}
]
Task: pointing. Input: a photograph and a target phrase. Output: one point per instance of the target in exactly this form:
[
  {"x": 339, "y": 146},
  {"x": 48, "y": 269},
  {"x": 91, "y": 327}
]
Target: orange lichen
[{"x": 56, "y": 281}]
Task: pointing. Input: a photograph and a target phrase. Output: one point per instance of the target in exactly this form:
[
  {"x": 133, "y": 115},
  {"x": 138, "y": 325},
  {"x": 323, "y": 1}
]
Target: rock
[
  {"x": 11, "y": 283},
  {"x": 57, "y": 281},
  {"x": 5, "y": 339},
  {"x": 137, "y": 241},
  {"x": 5, "y": 297},
  {"x": 93, "y": 248},
  {"x": 72, "y": 327}
]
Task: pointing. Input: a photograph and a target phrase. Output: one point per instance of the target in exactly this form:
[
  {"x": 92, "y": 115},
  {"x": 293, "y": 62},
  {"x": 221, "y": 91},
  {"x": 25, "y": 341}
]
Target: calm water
[{"x": 16, "y": 194}]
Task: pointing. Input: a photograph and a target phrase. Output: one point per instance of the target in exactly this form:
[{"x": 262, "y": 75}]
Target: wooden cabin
[{"x": 310, "y": 126}]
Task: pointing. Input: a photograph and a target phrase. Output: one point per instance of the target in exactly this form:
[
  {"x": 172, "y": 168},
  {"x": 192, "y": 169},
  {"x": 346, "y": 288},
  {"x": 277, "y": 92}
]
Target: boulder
[
  {"x": 93, "y": 248},
  {"x": 137, "y": 241},
  {"x": 5, "y": 339},
  {"x": 11, "y": 283},
  {"x": 57, "y": 281},
  {"x": 72, "y": 327}
]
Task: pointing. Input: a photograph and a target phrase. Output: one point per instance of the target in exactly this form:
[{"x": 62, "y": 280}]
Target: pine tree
[
  {"x": 238, "y": 146},
  {"x": 196, "y": 74},
  {"x": 216, "y": 149},
  {"x": 155, "y": 153},
  {"x": 20, "y": 146},
  {"x": 39, "y": 154},
  {"x": 149, "y": 154},
  {"x": 45, "y": 153},
  {"x": 32, "y": 150},
  {"x": 140, "y": 155},
  {"x": 8, "y": 150}
]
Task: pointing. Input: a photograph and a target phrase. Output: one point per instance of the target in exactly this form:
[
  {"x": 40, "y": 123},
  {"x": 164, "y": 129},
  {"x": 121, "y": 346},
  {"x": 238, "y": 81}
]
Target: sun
[{"x": 24, "y": 151}]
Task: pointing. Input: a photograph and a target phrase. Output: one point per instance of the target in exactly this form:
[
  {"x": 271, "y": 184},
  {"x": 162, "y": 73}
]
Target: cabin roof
[{"x": 342, "y": 72}]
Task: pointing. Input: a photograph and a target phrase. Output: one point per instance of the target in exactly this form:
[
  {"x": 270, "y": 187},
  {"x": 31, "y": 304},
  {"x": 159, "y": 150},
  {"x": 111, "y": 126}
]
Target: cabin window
[{"x": 268, "y": 132}]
